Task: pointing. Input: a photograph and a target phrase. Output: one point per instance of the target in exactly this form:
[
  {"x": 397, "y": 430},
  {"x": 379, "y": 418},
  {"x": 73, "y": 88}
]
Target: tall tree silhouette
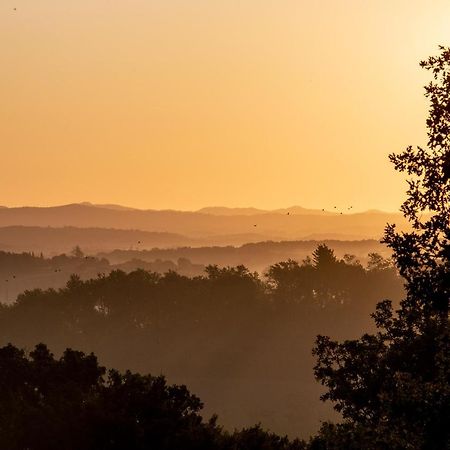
[
  {"x": 323, "y": 257},
  {"x": 392, "y": 387}
]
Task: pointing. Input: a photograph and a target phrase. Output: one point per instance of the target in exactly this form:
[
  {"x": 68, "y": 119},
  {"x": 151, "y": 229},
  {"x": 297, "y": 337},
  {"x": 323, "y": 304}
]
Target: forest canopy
[{"x": 228, "y": 326}]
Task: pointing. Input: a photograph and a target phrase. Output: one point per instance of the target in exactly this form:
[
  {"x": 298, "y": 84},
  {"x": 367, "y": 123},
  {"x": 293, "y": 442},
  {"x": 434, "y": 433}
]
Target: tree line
[{"x": 227, "y": 326}]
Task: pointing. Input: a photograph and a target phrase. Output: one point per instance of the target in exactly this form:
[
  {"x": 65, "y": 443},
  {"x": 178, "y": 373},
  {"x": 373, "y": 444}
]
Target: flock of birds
[
  {"x": 323, "y": 210},
  {"x": 348, "y": 209}
]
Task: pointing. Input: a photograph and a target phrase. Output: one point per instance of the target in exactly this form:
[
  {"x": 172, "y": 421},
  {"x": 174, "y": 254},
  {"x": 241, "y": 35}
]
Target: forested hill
[
  {"x": 57, "y": 240},
  {"x": 242, "y": 342},
  {"x": 25, "y": 271},
  {"x": 256, "y": 256},
  {"x": 29, "y": 270}
]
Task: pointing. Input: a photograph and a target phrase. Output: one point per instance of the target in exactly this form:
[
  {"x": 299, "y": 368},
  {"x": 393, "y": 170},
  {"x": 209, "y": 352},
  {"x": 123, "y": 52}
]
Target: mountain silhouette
[{"x": 227, "y": 226}]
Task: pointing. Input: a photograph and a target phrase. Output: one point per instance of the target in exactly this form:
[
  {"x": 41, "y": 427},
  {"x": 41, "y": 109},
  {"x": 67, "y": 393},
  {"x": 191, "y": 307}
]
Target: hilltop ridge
[{"x": 208, "y": 226}]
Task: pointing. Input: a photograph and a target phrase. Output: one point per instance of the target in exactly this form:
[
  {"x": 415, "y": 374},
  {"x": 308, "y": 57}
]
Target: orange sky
[{"x": 186, "y": 103}]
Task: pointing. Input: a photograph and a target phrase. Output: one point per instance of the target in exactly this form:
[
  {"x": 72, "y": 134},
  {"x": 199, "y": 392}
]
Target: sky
[{"x": 182, "y": 104}]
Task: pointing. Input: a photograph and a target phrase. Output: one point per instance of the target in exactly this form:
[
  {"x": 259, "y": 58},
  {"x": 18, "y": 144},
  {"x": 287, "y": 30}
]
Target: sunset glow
[{"x": 177, "y": 104}]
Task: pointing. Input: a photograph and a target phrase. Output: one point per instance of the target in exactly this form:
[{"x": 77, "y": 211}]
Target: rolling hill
[{"x": 210, "y": 226}]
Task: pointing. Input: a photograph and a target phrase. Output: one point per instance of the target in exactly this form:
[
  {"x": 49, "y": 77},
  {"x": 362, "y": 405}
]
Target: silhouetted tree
[
  {"x": 378, "y": 263},
  {"x": 255, "y": 438},
  {"x": 392, "y": 387},
  {"x": 46, "y": 403},
  {"x": 323, "y": 257},
  {"x": 72, "y": 403},
  {"x": 77, "y": 252}
]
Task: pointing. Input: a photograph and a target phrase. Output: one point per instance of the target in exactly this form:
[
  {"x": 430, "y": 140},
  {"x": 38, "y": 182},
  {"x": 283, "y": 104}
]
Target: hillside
[
  {"x": 212, "y": 229},
  {"x": 256, "y": 256},
  {"x": 55, "y": 240}
]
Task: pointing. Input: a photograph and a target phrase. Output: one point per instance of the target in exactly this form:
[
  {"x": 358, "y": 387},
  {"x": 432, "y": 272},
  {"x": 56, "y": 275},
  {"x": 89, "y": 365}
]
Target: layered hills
[{"x": 107, "y": 227}]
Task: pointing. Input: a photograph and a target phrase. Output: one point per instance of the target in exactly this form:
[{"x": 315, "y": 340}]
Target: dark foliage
[
  {"x": 230, "y": 328},
  {"x": 71, "y": 403},
  {"x": 24, "y": 271},
  {"x": 146, "y": 306},
  {"x": 393, "y": 387}
]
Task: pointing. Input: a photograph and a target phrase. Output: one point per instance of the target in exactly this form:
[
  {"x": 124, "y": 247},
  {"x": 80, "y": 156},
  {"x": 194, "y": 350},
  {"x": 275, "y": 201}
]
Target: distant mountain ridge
[
  {"x": 211, "y": 210},
  {"x": 225, "y": 211},
  {"x": 295, "y": 210},
  {"x": 211, "y": 226},
  {"x": 108, "y": 206}
]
